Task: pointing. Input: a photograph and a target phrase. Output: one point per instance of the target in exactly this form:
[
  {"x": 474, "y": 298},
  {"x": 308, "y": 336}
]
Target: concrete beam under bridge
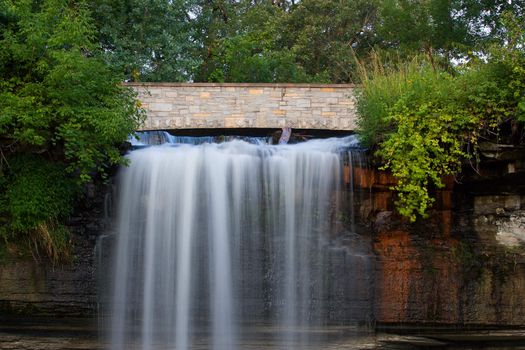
[{"x": 174, "y": 106}]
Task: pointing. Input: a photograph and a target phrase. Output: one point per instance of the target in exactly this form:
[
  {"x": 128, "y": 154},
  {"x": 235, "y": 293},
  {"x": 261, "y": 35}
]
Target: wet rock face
[
  {"x": 445, "y": 281},
  {"x": 29, "y": 288},
  {"x": 465, "y": 264},
  {"x": 37, "y": 288}
]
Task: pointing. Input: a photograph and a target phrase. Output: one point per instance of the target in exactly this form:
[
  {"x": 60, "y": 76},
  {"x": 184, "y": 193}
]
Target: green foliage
[
  {"x": 241, "y": 46},
  {"x": 412, "y": 113},
  {"x": 253, "y": 55},
  {"x": 425, "y": 25},
  {"x": 250, "y": 59},
  {"x": 60, "y": 101},
  {"x": 57, "y": 96},
  {"x": 383, "y": 86},
  {"x": 422, "y": 118},
  {"x": 511, "y": 62},
  {"x": 147, "y": 40},
  {"x": 444, "y": 29},
  {"x": 39, "y": 191},
  {"x": 285, "y": 40},
  {"x": 324, "y": 34},
  {"x": 38, "y": 196},
  {"x": 279, "y": 41}
]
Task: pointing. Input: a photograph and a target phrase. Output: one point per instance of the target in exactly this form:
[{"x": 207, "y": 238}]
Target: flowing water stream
[
  {"x": 217, "y": 239},
  {"x": 241, "y": 245}
]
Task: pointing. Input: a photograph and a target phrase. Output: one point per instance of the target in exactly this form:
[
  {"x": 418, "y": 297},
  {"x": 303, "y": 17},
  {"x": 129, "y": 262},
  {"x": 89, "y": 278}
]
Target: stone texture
[
  {"x": 36, "y": 288},
  {"x": 465, "y": 264},
  {"x": 328, "y": 107}
]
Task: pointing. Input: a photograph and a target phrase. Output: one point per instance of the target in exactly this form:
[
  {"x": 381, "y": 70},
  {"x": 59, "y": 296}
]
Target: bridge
[{"x": 172, "y": 106}]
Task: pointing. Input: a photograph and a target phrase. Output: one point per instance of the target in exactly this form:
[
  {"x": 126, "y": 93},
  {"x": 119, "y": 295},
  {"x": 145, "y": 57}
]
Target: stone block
[
  {"x": 199, "y": 123},
  {"x": 269, "y": 104},
  {"x": 233, "y": 122},
  {"x": 297, "y": 114},
  {"x": 201, "y": 115},
  {"x": 346, "y": 124},
  {"x": 171, "y": 94},
  {"x": 178, "y": 122},
  {"x": 303, "y": 103},
  {"x": 277, "y": 93},
  {"x": 161, "y": 107},
  {"x": 154, "y": 92},
  {"x": 496, "y": 204}
]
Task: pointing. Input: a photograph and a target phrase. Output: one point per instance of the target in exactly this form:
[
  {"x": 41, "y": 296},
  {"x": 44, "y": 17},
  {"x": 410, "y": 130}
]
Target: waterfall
[{"x": 214, "y": 238}]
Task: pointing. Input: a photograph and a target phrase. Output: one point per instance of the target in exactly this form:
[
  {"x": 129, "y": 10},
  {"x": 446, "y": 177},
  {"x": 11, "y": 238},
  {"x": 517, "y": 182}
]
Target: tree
[
  {"x": 147, "y": 40},
  {"x": 284, "y": 41},
  {"x": 215, "y": 21},
  {"x": 63, "y": 109},
  {"x": 246, "y": 49},
  {"x": 443, "y": 29},
  {"x": 324, "y": 35}
]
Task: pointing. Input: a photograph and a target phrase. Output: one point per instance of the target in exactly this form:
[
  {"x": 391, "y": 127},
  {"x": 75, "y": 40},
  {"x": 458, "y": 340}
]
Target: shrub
[
  {"x": 420, "y": 118},
  {"x": 39, "y": 196}
]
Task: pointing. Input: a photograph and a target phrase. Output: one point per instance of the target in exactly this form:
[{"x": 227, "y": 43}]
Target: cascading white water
[{"x": 214, "y": 237}]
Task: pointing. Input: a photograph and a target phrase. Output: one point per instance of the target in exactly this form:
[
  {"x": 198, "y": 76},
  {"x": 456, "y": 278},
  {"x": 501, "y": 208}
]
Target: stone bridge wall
[{"x": 172, "y": 106}]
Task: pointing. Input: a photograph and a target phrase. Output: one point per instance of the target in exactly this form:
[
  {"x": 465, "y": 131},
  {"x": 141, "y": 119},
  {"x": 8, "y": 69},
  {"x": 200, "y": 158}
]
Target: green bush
[
  {"x": 39, "y": 196},
  {"x": 420, "y": 119},
  {"x": 414, "y": 117},
  {"x": 39, "y": 191},
  {"x": 63, "y": 115}
]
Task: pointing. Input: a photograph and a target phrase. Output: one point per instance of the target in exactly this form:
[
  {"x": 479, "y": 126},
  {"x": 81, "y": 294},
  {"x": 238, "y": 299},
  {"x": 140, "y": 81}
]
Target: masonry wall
[{"x": 203, "y": 105}]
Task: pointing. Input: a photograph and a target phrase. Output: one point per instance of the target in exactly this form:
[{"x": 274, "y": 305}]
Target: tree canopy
[
  {"x": 287, "y": 41},
  {"x": 446, "y": 72},
  {"x": 150, "y": 40},
  {"x": 63, "y": 115}
]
